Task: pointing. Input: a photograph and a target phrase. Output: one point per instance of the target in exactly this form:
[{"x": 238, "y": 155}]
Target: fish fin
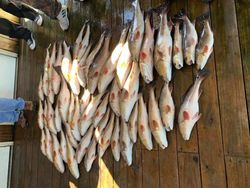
[
  {"x": 196, "y": 117},
  {"x": 202, "y": 74},
  {"x": 170, "y": 86},
  {"x": 200, "y": 93},
  {"x": 170, "y": 24}
]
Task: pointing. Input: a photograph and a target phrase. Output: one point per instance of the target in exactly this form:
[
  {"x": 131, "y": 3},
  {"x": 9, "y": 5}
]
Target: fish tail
[
  {"x": 202, "y": 74},
  {"x": 202, "y": 18},
  {"x": 134, "y": 2},
  {"x": 180, "y": 14}
]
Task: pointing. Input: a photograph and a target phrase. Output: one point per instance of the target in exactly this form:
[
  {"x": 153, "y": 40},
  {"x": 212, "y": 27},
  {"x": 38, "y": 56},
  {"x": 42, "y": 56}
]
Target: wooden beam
[{"x": 6, "y": 133}]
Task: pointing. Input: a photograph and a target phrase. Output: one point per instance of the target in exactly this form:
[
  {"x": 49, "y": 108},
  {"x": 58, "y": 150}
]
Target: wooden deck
[{"x": 218, "y": 153}]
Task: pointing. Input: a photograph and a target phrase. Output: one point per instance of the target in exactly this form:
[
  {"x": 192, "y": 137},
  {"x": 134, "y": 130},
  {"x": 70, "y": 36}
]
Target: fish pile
[{"x": 90, "y": 97}]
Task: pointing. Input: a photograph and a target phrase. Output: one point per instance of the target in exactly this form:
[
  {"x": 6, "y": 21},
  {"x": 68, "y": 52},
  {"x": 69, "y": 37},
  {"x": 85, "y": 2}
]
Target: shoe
[
  {"x": 22, "y": 121},
  {"x": 31, "y": 42},
  {"x": 39, "y": 20},
  {"x": 63, "y": 18}
]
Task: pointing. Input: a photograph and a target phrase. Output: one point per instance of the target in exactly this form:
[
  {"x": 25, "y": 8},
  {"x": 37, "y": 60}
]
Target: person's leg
[
  {"x": 21, "y": 11},
  {"x": 10, "y": 117},
  {"x": 17, "y": 31},
  {"x": 7, "y": 105},
  {"x": 52, "y": 8}
]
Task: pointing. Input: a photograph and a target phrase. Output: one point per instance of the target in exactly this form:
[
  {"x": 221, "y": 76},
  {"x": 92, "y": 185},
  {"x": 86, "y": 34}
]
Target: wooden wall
[
  {"x": 7, "y": 43},
  {"x": 218, "y": 152}
]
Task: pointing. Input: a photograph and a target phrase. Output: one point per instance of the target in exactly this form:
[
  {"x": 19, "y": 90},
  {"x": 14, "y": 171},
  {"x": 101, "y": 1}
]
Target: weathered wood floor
[{"x": 218, "y": 154}]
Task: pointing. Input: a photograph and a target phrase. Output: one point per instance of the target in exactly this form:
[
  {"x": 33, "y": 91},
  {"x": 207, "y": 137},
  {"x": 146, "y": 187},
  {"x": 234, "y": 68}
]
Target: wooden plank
[
  {"x": 9, "y": 44},
  {"x": 234, "y": 118},
  {"x": 9, "y": 16},
  {"x": 150, "y": 169},
  {"x": 94, "y": 179},
  {"x": 65, "y": 178},
  {"x": 243, "y": 12},
  {"x": 238, "y": 172},
  {"x": 106, "y": 169},
  {"x": 182, "y": 80},
  {"x": 135, "y": 170},
  {"x": 120, "y": 174},
  {"x": 6, "y": 133},
  {"x": 168, "y": 165},
  {"x": 29, "y": 152},
  {"x": 83, "y": 180},
  {"x": 189, "y": 171},
  {"x": 209, "y": 126}
]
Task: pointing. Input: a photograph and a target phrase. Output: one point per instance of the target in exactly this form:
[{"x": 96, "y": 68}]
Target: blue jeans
[{"x": 10, "y": 109}]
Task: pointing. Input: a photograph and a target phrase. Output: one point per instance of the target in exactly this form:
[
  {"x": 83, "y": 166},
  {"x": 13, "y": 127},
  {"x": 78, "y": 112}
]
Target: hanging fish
[
  {"x": 105, "y": 138},
  {"x": 123, "y": 66},
  {"x": 84, "y": 101},
  {"x": 90, "y": 59},
  {"x": 96, "y": 66},
  {"x": 167, "y": 108},
  {"x": 84, "y": 144},
  {"x": 71, "y": 160},
  {"x": 52, "y": 59},
  {"x": 114, "y": 98},
  {"x": 205, "y": 46},
  {"x": 177, "y": 49},
  {"x": 66, "y": 62},
  {"x": 59, "y": 56},
  {"x": 190, "y": 40},
  {"x": 48, "y": 145},
  {"x": 73, "y": 79},
  {"x": 42, "y": 143},
  {"x": 125, "y": 143},
  {"x": 71, "y": 108},
  {"x": 115, "y": 145},
  {"x": 57, "y": 158},
  {"x": 101, "y": 125},
  {"x": 155, "y": 121},
  {"x": 132, "y": 124},
  {"x": 90, "y": 155},
  {"x": 40, "y": 115},
  {"x": 51, "y": 95},
  {"x": 40, "y": 89},
  {"x": 163, "y": 49},
  {"x": 63, "y": 146},
  {"x": 74, "y": 123},
  {"x": 49, "y": 68},
  {"x": 51, "y": 118},
  {"x": 108, "y": 70},
  {"x": 189, "y": 110},
  {"x": 87, "y": 117},
  {"x": 129, "y": 94},
  {"x": 64, "y": 101},
  {"x": 143, "y": 127},
  {"x": 100, "y": 112},
  {"x": 58, "y": 120},
  {"x": 45, "y": 114},
  {"x": 45, "y": 74},
  {"x": 146, "y": 54},
  {"x": 70, "y": 135},
  {"x": 84, "y": 43},
  {"x": 78, "y": 42},
  {"x": 56, "y": 81},
  {"x": 137, "y": 31},
  {"x": 81, "y": 66}
]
